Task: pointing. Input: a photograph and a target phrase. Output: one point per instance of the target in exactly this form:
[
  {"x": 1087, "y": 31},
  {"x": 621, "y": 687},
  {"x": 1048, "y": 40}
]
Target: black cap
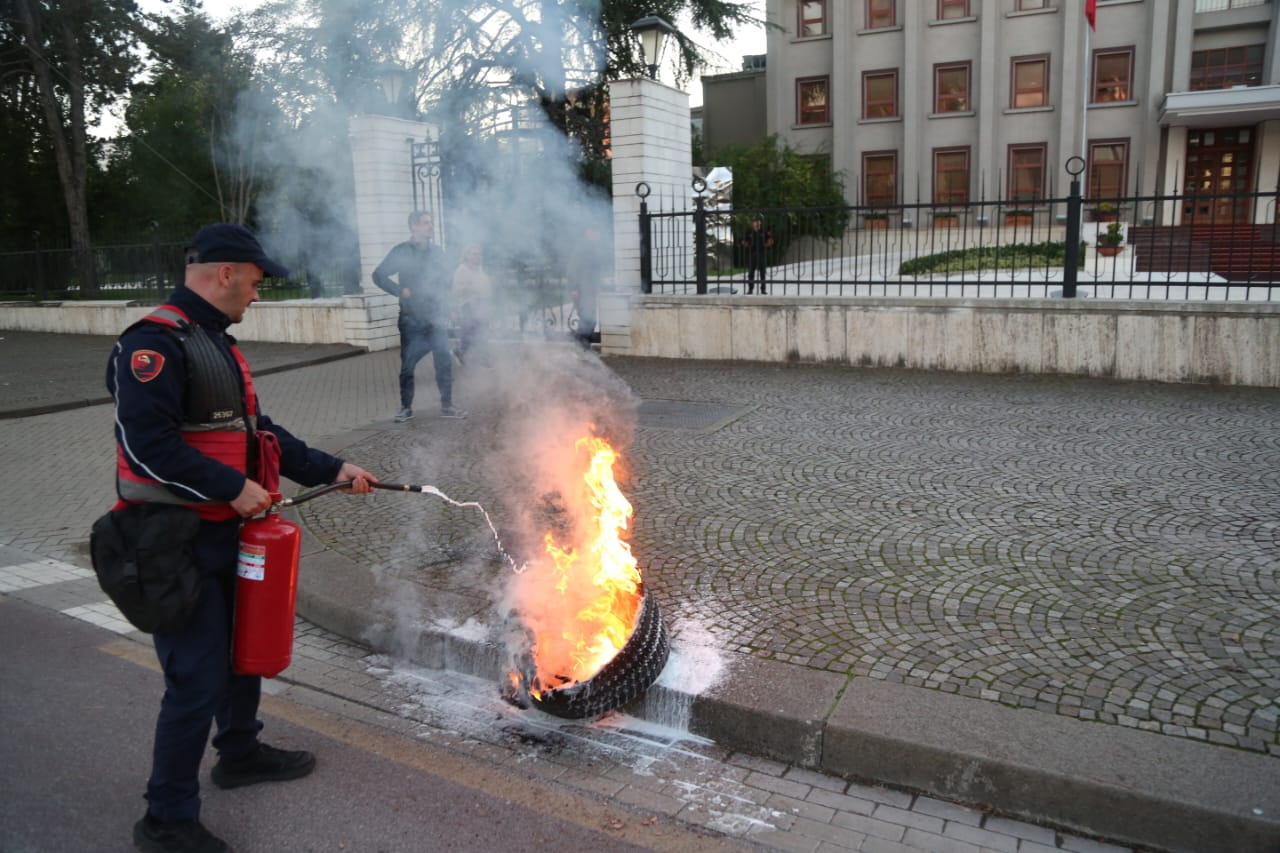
[{"x": 226, "y": 243}]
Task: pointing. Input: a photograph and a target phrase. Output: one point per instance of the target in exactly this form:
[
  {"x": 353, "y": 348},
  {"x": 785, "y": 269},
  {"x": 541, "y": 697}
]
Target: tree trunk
[{"x": 70, "y": 152}]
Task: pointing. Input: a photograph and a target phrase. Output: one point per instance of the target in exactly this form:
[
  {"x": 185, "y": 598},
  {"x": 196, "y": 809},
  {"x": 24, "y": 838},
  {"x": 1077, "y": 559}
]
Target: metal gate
[{"x": 425, "y": 169}]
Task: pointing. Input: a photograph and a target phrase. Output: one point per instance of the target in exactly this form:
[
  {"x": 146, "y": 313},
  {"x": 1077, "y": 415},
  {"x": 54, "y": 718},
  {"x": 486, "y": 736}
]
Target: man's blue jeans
[{"x": 415, "y": 342}]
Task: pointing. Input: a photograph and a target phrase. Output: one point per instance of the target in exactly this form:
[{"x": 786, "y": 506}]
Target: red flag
[{"x": 1091, "y": 13}]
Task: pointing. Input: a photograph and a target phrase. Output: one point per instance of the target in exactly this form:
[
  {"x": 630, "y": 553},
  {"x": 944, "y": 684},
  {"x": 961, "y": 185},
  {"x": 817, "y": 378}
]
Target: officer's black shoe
[
  {"x": 182, "y": 836},
  {"x": 264, "y": 764}
]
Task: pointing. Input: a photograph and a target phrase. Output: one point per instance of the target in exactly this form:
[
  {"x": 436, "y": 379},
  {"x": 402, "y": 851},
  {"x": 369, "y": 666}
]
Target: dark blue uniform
[{"x": 147, "y": 376}]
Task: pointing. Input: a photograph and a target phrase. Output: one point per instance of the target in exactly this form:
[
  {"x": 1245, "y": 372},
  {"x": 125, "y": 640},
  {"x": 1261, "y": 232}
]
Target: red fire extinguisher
[{"x": 266, "y": 590}]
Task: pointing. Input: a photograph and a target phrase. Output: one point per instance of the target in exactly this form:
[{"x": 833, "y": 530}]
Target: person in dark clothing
[
  {"x": 587, "y": 266},
  {"x": 422, "y": 285},
  {"x": 188, "y": 427},
  {"x": 757, "y": 241}
]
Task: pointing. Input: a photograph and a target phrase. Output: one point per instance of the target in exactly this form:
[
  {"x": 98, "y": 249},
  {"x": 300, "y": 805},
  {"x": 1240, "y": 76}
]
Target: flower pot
[
  {"x": 1110, "y": 251},
  {"x": 875, "y": 224},
  {"x": 1013, "y": 220},
  {"x": 1106, "y": 216},
  {"x": 946, "y": 220}
]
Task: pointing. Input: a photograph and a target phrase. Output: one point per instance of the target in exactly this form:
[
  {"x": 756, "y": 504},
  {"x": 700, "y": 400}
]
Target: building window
[
  {"x": 1227, "y": 67},
  {"x": 1030, "y": 5},
  {"x": 813, "y": 18},
  {"x": 1108, "y": 165},
  {"x": 1112, "y": 75},
  {"x": 880, "y": 178},
  {"x": 881, "y": 14},
  {"x": 1030, "y": 80},
  {"x": 951, "y": 9},
  {"x": 1026, "y": 172},
  {"x": 812, "y": 102},
  {"x": 950, "y": 175},
  {"x": 951, "y": 88},
  {"x": 1223, "y": 5},
  {"x": 879, "y": 94}
]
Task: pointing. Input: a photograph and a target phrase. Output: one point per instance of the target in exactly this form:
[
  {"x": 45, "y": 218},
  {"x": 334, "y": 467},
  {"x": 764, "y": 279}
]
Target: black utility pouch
[{"x": 142, "y": 555}]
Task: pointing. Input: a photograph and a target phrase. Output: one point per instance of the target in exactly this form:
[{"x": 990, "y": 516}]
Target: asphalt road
[{"x": 78, "y": 707}]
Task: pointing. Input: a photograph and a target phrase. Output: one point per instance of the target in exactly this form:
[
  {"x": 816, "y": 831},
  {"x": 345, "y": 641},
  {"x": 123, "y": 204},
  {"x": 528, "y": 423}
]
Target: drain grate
[{"x": 681, "y": 414}]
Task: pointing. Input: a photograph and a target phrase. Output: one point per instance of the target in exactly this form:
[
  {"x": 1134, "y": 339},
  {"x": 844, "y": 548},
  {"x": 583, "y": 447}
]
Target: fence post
[
  {"x": 1075, "y": 205},
  {"x": 700, "y": 236},
  {"x": 159, "y": 277},
  {"x": 646, "y": 260},
  {"x": 40, "y": 283}
]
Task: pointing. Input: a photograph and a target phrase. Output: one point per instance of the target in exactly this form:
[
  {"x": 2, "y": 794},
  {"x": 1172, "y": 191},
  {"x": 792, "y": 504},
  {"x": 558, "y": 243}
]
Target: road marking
[{"x": 39, "y": 573}]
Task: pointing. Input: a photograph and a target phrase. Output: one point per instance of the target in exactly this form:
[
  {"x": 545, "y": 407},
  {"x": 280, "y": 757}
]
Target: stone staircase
[{"x": 1240, "y": 253}]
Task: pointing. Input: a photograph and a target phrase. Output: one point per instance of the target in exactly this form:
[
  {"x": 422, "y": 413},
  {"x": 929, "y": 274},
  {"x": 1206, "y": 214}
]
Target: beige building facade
[{"x": 948, "y": 101}]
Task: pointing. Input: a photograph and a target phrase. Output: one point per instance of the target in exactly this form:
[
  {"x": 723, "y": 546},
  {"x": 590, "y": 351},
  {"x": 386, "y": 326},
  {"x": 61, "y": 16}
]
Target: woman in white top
[{"x": 472, "y": 294}]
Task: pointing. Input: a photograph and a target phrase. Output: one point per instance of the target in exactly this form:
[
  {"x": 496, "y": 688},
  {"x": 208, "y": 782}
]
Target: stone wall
[
  {"x": 301, "y": 321},
  {"x": 1232, "y": 344}
]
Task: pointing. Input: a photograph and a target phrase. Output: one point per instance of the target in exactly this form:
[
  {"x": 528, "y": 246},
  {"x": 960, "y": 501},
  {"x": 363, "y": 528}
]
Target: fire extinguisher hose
[{"x": 331, "y": 487}]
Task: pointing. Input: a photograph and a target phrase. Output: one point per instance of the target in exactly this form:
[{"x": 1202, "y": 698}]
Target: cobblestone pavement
[
  {"x": 1104, "y": 551},
  {"x": 1097, "y": 550}
]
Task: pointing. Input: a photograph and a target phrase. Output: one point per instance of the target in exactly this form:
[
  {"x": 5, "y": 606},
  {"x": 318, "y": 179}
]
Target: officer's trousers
[{"x": 200, "y": 687}]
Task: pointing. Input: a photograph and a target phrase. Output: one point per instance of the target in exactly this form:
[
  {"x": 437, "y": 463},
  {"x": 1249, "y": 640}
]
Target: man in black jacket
[
  {"x": 188, "y": 430},
  {"x": 423, "y": 289},
  {"x": 758, "y": 241}
]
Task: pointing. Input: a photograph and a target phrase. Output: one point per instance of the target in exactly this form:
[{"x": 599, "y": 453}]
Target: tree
[
  {"x": 80, "y": 54},
  {"x": 558, "y": 51},
  {"x": 187, "y": 158},
  {"x": 772, "y": 175}
]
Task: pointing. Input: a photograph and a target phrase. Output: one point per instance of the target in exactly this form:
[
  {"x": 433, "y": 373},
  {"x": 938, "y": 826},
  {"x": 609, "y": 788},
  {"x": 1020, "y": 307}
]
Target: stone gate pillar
[
  {"x": 384, "y": 197},
  {"x": 649, "y": 128}
]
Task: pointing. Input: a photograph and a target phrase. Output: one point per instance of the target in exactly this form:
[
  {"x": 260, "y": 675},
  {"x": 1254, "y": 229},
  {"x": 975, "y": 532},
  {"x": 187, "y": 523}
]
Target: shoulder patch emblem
[{"x": 146, "y": 365}]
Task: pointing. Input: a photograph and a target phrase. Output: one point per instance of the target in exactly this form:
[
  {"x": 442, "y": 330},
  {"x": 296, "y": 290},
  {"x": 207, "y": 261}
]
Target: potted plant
[
  {"x": 875, "y": 219},
  {"x": 945, "y": 219},
  {"x": 1111, "y": 241},
  {"x": 1106, "y": 212},
  {"x": 1018, "y": 216}
]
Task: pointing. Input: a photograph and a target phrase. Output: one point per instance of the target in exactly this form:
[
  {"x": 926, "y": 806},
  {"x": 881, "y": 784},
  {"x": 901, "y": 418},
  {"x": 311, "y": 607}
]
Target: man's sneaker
[
  {"x": 187, "y": 836},
  {"x": 452, "y": 412},
  {"x": 264, "y": 764},
  {"x": 403, "y": 415}
]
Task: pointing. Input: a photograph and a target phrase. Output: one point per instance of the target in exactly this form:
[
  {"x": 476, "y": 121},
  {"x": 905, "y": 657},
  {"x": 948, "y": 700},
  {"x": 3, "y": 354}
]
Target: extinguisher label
[{"x": 252, "y": 563}]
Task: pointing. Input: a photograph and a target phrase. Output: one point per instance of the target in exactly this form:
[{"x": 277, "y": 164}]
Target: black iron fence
[
  {"x": 144, "y": 271},
  {"x": 1167, "y": 247}
]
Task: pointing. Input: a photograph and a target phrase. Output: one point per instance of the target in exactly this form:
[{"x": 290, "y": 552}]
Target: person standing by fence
[
  {"x": 473, "y": 294},
  {"x": 422, "y": 286},
  {"x": 757, "y": 241}
]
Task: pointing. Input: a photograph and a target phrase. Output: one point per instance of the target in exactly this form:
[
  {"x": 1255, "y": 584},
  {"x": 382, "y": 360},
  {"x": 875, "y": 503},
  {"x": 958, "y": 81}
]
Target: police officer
[{"x": 188, "y": 428}]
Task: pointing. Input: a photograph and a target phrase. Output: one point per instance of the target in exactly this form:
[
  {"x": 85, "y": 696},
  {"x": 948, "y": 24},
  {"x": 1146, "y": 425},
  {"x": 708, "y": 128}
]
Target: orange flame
[{"x": 598, "y": 582}]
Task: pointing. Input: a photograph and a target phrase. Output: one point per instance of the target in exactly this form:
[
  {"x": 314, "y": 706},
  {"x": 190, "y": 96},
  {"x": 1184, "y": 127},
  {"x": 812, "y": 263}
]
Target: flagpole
[{"x": 1085, "y": 95}]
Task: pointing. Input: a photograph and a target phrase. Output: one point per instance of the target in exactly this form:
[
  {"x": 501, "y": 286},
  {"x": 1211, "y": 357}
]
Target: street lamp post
[
  {"x": 392, "y": 78},
  {"x": 652, "y": 32}
]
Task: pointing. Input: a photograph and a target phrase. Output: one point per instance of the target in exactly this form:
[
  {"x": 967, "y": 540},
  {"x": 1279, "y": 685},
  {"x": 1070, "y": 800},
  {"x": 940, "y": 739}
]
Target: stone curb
[{"x": 1120, "y": 784}]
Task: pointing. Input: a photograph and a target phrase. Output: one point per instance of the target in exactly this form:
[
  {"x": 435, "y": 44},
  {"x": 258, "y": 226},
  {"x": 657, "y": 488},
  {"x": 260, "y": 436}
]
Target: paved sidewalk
[{"x": 1050, "y": 596}]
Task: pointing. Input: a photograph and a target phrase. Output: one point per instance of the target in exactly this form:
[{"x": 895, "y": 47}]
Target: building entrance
[{"x": 1219, "y": 173}]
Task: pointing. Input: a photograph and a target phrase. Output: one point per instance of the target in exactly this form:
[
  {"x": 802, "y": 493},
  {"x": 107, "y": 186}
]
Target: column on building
[
  {"x": 381, "y": 158},
  {"x": 649, "y": 124}
]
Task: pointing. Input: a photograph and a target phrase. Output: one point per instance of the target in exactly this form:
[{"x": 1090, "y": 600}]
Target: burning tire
[{"x": 631, "y": 672}]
